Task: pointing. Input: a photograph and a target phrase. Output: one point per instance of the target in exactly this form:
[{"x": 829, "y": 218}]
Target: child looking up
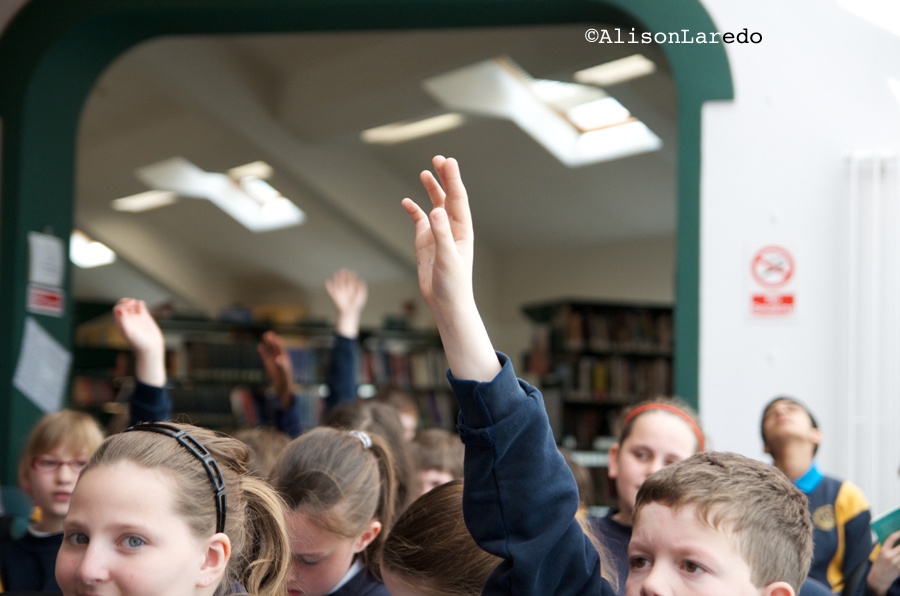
[
  {"x": 519, "y": 497},
  {"x": 167, "y": 508},
  {"x": 839, "y": 510},
  {"x": 340, "y": 491}
]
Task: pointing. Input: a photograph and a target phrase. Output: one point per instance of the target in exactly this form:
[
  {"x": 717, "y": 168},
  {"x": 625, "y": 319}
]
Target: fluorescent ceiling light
[
  {"x": 617, "y": 71},
  {"x": 400, "y": 132},
  {"x": 144, "y": 201},
  {"x": 556, "y": 114},
  {"x": 242, "y": 193},
  {"x": 86, "y": 252}
]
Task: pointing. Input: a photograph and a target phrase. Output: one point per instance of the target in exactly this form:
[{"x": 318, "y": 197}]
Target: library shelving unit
[
  {"x": 214, "y": 369},
  {"x": 592, "y": 359}
]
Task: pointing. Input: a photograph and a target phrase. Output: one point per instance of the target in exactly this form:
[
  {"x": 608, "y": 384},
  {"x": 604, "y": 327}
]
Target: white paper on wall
[{"x": 43, "y": 367}]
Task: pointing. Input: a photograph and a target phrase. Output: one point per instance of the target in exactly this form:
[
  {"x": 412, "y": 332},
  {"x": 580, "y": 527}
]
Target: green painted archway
[{"x": 53, "y": 51}]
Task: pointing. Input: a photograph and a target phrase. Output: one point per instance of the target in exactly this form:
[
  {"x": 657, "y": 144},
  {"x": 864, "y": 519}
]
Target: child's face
[
  {"x": 786, "y": 419},
  {"x": 319, "y": 558},
  {"x": 50, "y": 480},
  {"x": 123, "y": 538},
  {"x": 673, "y": 553},
  {"x": 657, "y": 439},
  {"x": 429, "y": 479}
]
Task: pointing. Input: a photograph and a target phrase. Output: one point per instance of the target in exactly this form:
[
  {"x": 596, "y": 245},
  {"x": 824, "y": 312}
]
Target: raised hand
[
  {"x": 349, "y": 294},
  {"x": 444, "y": 241},
  {"x": 137, "y": 325},
  {"x": 278, "y": 366}
]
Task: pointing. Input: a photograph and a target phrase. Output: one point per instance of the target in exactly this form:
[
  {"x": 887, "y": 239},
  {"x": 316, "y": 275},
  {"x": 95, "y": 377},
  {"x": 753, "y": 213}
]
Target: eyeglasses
[
  {"x": 50, "y": 465},
  {"x": 201, "y": 453}
]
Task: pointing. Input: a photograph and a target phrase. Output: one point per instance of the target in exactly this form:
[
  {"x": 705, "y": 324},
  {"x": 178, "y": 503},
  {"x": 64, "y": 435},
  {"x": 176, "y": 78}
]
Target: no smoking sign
[{"x": 772, "y": 267}]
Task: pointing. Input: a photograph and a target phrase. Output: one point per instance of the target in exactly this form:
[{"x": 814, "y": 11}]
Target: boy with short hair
[
  {"x": 840, "y": 512},
  {"x": 520, "y": 498},
  {"x": 755, "y": 515}
]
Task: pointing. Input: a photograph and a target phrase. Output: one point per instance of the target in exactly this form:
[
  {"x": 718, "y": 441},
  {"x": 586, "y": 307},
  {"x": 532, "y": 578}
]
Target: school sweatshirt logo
[{"x": 823, "y": 518}]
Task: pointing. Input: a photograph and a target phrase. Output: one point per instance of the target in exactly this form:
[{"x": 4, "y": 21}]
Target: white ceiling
[{"x": 299, "y": 103}]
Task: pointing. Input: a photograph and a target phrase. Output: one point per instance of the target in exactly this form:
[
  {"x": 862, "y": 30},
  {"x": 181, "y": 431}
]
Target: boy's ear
[
  {"x": 778, "y": 589},
  {"x": 612, "y": 467},
  {"x": 368, "y": 536},
  {"x": 218, "y": 552}
]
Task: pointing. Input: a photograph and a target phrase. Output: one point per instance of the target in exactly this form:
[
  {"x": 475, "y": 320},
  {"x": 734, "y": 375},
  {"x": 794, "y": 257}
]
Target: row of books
[
  {"x": 603, "y": 329},
  {"x": 407, "y": 370},
  {"x": 614, "y": 378}
]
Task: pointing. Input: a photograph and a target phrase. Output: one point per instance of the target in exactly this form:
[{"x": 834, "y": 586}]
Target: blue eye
[{"x": 134, "y": 541}]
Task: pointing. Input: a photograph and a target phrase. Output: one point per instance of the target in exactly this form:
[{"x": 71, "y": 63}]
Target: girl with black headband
[{"x": 166, "y": 508}]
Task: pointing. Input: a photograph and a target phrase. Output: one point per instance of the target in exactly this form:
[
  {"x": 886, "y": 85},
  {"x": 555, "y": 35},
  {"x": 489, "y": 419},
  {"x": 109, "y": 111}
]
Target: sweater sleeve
[
  {"x": 519, "y": 496},
  {"x": 342, "y": 372},
  {"x": 150, "y": 404},
  {"x": 852, "y": 511}
]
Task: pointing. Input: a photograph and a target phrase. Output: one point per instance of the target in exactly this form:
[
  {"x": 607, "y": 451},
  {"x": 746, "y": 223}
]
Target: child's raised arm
[
  {"x": 150, "y": 400},
  {"x": 349, "y": 294},
  {"x": 519, "y": 497},
  {"x": 135, "y": 322},
  {"x": 444, "y": 256}
]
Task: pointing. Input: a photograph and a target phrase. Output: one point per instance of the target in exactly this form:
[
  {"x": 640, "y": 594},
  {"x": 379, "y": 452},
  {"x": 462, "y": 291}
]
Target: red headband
[{"x": 666, "y": 407}]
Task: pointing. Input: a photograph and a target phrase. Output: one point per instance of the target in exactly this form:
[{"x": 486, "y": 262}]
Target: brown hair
[
  {"x": 64, "y": 428},
  {"x": 430, "y": 548},
  {"x": 764, "y": 514},
  {"x": 439, "y": 449},
  {"x": 401, "y": 399},
  {"x": 264, "y": 445},
  {"x": 671, "y": 405},
  {"x": 254, "y": 518},
  {"x": 383, "y": 420},
  {"x": 328, "y": 468}
]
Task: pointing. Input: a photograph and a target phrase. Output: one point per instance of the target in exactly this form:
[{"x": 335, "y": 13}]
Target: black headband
[{"x": 201, "y": 453}]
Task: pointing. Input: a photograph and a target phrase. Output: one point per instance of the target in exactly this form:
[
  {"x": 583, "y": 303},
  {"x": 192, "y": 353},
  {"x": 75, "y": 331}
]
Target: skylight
[
  {"x": 579, "y": 124},
  {"x": 243, "y": 193}
]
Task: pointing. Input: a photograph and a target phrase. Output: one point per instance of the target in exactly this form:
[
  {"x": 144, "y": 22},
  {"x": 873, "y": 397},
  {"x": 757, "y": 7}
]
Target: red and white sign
[
  {"x": 45, "y": 301},
  {"x": 772, "y": 266},
  {"x": 772, "y": 269}
]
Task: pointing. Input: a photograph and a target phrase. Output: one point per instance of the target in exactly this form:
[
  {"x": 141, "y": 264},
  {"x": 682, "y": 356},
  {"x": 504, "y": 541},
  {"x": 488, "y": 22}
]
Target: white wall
[{"x": 774, "y": 170}]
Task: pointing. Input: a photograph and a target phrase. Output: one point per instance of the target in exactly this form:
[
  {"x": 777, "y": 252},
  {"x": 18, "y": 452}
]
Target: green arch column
[{"x": 53, "y": 51}]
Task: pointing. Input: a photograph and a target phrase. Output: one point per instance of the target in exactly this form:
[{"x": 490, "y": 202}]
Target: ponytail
[
  {"x": 327, "y": 468},
  {"x": 268, "y": 552}
]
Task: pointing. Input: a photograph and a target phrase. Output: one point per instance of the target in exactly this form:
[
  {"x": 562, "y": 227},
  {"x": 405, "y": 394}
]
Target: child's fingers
[
  {"x": 416, "y": 214},
  {"x": 433, "y": 187},
  {"x": 440, "y": 227}
]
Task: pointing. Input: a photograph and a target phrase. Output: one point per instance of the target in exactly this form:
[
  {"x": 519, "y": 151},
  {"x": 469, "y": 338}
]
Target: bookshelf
[
  {"x": 214, "y": 369},
  {"x": 591, "y": 360}
]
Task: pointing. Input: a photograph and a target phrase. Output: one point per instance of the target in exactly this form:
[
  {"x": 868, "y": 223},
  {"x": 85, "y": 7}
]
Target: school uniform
[
  {"x": 29, "y": 563},
  {"x": 841, "y": 535},
  {"x": 360, "y": 583},
  {"x": 519, "y": 497},
  {"x": 615, "y": 537}
]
